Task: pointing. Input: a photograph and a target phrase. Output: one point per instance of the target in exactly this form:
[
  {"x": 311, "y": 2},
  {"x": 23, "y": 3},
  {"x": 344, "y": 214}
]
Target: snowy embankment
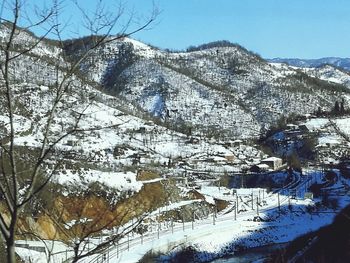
[{"x": 228, "y": 235}]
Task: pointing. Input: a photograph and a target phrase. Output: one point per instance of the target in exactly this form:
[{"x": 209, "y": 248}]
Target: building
[
  {"x": 273, "y": 162},
  {"x": 292, "y": 127},
  {"x": 259, "y": 168}
]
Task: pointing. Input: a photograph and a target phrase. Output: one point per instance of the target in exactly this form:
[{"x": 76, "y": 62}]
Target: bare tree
[{"x": 25, "y": 175}]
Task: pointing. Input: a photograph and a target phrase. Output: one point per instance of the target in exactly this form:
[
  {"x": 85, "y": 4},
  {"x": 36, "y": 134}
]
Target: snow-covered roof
[
  {"x": 263, "y": 166},
  {"x": 219, "y": 158},
  {"x": 271, "y": 159},
  {"x": 315, "y": 124},
  {"x": 329, "y": 140}
]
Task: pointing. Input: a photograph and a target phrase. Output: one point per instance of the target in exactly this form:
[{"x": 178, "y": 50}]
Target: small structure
[
  {"x": 263, "y": 167},
  {"x": 305, "y": 128},
  {"x": 72, "y": 143},
  {"x": 220, "y": 160},
  {"x": 229, "y": 158},
  {"x": 308, "y": 195},
  {"x": 258, "y": 168},
  {"x": 329, "y": 141},
  {"x": 273, "y": 162},
  {"x": 141, "y": 130},
  {"x": 182, "y": 181},
  {"x": 292, "y": 127},
  {"x": 237, "y": 143}
]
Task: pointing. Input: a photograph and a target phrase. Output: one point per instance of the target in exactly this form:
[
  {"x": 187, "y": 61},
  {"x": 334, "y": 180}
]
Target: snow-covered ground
[
  {"x": 212, "y": 240},
  {"x": 213, "y": 237}
]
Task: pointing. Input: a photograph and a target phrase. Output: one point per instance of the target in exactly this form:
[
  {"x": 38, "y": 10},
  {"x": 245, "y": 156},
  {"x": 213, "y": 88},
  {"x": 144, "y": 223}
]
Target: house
[
  {"x": 182, "y": 181},
  {"x": 229, "y": 158},
  {"x": 308, "y": 195},
  {"x": 263, "y": 167},
  {"x": 141, "y": 130},
  {"x": 72, "y": 143},
  {"x": 259, "y": 168},
  {"x": 329, "y": 141},
  {"x": 305, "y": 128},
  {"x": 292, "y": 127},
  {"x": 220, "y": 160},
  {"x": 273, "y": 162},
  {"x": 237, "y": 143}
]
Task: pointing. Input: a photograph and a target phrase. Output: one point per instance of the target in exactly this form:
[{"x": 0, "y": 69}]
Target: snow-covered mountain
[
  {"x": 221, "y": 88},
  {"x": 343, "y": 63},
  {"x": 115, "y": 134},
  {"x": 329, "y": 73}
]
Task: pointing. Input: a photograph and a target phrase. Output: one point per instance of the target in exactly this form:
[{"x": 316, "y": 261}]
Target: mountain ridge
[
  {"x": 343, "y": 63},
  {"x": 219, "y": 84}
]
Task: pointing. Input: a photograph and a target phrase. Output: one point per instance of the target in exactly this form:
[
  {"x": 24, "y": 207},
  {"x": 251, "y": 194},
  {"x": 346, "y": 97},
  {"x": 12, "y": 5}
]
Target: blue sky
[{"x": 271, "y": 28}]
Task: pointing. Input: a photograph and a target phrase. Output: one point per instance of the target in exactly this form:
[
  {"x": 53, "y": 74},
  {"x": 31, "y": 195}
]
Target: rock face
[{"x": 75, "y": 216}]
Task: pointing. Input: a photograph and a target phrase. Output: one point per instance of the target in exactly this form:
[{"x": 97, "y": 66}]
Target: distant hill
[{"x": 343, "y": 63}]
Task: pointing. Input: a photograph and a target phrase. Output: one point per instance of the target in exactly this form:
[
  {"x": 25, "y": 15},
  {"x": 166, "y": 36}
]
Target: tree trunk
[
  {"x": 11, "y": 255},
  {"x": 2, "y": 250}
]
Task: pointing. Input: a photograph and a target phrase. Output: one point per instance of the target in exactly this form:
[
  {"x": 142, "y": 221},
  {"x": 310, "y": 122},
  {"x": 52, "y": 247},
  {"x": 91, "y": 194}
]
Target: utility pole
[
  {"x": 289, "y": 200},
  {"x": 214, "y": 216},
  {"x": 279, "y": 203},
  {"x": 235, "y": 211},
  {"x": 192, "y": 219},
  {"x": 128, "y": 241},
  {"x": 158, "y": 229},
  {"x": 257, "y": 206},
  {"x": 252, "y": 201},
  {"x": 183, "y": 223},
  {"x": 117, "y": 248},
  {"x": 132, "y": 223}
]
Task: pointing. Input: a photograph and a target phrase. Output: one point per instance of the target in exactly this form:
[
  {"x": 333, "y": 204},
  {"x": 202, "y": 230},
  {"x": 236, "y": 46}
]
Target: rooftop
[{"x": 271, "y": 159}]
